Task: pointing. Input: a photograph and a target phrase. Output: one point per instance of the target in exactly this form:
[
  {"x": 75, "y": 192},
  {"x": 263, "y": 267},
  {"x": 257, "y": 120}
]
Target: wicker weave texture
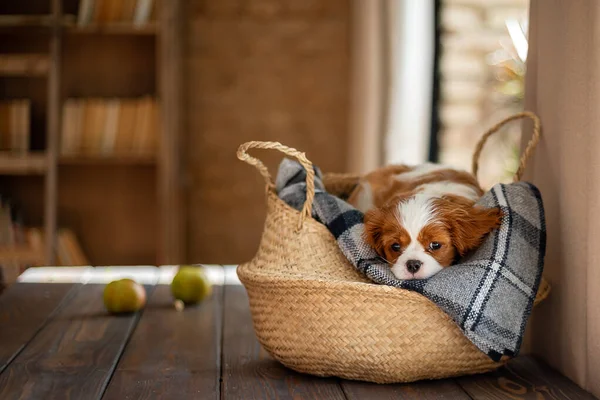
[{"x": 315, "y": 314}]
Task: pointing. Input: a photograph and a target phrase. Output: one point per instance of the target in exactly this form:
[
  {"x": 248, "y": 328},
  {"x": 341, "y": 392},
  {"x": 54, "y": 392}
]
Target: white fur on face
[
  {"x": 414, "y": 214},
  {"x": 429, "y": 267}
]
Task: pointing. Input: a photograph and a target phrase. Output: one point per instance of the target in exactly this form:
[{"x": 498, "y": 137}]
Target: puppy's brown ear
[
  {"x": 470, "y": 225},
  {"x": 374, "y": 222},
  {"x": 360, "y": 196}
]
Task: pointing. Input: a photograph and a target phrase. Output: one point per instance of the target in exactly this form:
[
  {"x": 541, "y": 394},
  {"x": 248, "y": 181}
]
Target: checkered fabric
[{"x": 489, "y": 293}]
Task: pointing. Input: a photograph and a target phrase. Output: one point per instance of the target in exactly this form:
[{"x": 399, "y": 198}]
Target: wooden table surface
[{"x": 57, "y": 342}]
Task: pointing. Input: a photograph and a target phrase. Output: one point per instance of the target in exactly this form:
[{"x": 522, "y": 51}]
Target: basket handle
[
  {"x": 535, "y": 138},
  {"x": 243, "y": 155}
]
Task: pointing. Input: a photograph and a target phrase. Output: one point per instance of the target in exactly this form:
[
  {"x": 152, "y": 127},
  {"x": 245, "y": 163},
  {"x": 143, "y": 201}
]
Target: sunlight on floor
[{"x": 144, "y": 274}]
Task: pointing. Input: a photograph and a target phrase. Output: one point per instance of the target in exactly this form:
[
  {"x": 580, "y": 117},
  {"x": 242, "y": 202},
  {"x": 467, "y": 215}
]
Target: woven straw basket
[{"x": 313, "y": 312}]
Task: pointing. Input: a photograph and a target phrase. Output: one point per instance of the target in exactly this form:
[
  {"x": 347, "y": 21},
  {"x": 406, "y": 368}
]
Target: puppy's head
[{"x": 419, "y": 235}]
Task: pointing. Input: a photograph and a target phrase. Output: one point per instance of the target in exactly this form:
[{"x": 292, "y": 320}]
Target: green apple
[
  {"x": 190, "y": 285},
  {"x": 124, "y": 296}
]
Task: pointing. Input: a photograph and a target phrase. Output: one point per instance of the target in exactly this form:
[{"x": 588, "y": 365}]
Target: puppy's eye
[
  {"x": 435, "y": 245},
  {"x": 395, "y": 247}
]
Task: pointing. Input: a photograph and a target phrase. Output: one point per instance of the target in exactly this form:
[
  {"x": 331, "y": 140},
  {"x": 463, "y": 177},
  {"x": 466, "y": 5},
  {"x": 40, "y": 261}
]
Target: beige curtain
[
  {"x": 368, "y": 85},
  {"x": 563, "y": 88}
]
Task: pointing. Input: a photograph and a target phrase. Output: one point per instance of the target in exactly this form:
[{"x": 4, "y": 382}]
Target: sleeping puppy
[{"x": 422, "y": 219}]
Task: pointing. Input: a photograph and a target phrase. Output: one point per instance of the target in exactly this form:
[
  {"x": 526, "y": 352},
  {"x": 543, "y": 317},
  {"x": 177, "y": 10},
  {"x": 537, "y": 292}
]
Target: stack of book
[
  {"x": 68, "y": 251},
  {"x": 29, "y": 247},
  {"x": 12, "y": 235},
  {"x": 101, "y": 127},
  {"x": 21, "y": 248},
  {"x": 15, "y": 119},
  {"x": 103, "y": 12}
]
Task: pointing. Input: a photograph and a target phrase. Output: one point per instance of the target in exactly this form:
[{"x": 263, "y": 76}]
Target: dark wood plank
[
  {"x": 74, "y": 355},
  {"x": 522, "y": 378},
  {"x": 249, "y": 372},
  {"x": 24, "y": 309},
  {"x": 442, "y": 389},
  {"x": 172, "y": 355}
]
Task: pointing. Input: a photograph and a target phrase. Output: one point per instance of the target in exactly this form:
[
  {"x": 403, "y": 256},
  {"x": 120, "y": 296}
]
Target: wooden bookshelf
[
  {"x": 111, "y": 29},
  {"x": 23, "y": 164},
  {"x": 124, "y": 208},
  {"x": 148, "y": 160},
  {"x": 27, "y": 21}
]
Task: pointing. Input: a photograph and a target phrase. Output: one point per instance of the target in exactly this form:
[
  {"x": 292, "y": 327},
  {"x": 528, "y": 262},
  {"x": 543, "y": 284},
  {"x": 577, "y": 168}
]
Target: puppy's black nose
[{"x": 413, "y": 265}]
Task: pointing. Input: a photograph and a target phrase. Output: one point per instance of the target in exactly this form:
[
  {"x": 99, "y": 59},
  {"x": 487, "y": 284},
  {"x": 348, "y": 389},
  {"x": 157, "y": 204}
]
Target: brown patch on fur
[
  {"x": 386, "y": 187},
  {"x": 437, "y": 232},
  {"x": 382, "y": 230},
  {"x": 450, "y": 175},
  {"x": 468, "y": 224},
  {"x": 382, "y": 182}
]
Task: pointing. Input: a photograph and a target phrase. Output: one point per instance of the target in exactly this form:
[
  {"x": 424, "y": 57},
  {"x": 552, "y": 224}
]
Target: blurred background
[{"x": 120, "y": 119}]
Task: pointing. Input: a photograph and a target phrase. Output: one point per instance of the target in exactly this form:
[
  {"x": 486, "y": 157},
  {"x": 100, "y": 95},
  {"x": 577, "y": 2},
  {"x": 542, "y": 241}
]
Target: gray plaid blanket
[{"x": 489, "y": 293}]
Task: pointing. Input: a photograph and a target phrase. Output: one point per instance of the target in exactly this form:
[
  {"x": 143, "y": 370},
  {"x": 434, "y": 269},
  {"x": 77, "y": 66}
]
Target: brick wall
[{"x": 472, "y": 30}]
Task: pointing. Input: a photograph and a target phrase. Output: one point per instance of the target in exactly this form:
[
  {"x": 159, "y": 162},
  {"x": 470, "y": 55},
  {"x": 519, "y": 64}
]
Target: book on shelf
[
  {"x": 32, "y": 243},
  {"x": 86, "y": 11},
  {"x": 15, "y": 125},
  {"x": 7, "y": 226},
  {"x": 109, "y": 136},
  {"x": 11, "y": 236},
  {"x": 69, "y": 252},
  {"x": 143, "y": 11},
  {"x": 102, "y": 12},
  {"x": 93, "y": 126},
  {"x": 72, "y": 126},
  {"x": 110, "y": 127},
  {"x": 146, "y": 121},
  {"x": 126, "y": 125}
]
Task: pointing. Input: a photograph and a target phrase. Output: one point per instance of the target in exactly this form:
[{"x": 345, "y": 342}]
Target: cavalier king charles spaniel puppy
[{"x": 422, "y": 219}]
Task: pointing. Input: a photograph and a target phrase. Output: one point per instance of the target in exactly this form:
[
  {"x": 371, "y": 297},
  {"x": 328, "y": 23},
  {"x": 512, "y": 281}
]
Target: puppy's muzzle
[{"x": 413, "y": 266}]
